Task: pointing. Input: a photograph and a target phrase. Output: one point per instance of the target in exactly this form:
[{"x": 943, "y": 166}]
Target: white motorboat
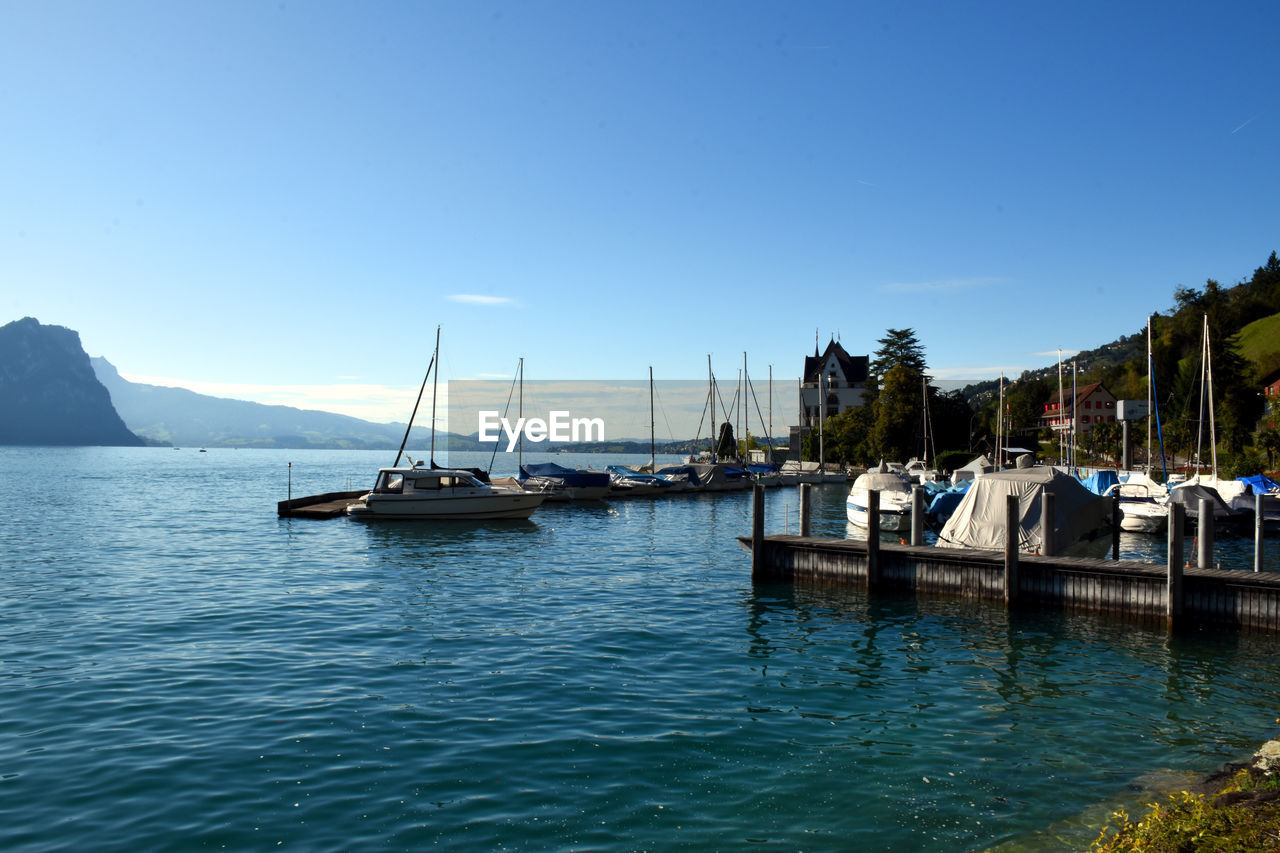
[
  {"x": 895, "y": 499},
  {"x": 441, "y": 493},
  {"x": 1144, "y": 504}
]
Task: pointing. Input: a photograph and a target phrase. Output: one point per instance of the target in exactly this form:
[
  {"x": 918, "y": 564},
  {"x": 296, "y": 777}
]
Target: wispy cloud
[
  {"x": 1053, "y": 353},
  {"x": 941, "y": 285},
  {"x": 480, "y": 299}
]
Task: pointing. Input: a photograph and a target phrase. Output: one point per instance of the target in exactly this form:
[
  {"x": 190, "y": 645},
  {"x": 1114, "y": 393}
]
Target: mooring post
[
  {"x": 1047, "y": 502},
  {"x": 1204, "y": 530},
  {"x": 805, "y": 509},
  {"x": 757, "y": 533},
  {"x": 1173, "y": 600},
  {"x": 1011, "y": 550},
  {"x": 917, "y": 516},
  {"x": 1259, "y": 502},
  {"x": 1115, "y": 524},
  {"x": 290, "y": 481},
  {"x": 873, "y": 539}
]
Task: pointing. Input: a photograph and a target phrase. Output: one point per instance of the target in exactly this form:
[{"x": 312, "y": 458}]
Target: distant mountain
[
  {"x": 181, "y": 417},
  {"x": 49, "y": 394}
]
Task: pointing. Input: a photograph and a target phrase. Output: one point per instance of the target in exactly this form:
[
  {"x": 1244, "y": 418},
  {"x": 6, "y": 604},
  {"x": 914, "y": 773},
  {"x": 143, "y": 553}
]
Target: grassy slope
[{"x": 1261, "y": 339}]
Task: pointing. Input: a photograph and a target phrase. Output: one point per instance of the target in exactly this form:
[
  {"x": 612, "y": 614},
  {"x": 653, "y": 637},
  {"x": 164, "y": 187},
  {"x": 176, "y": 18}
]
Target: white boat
[
  {"x": 1144, "y": 504},
  {"x": 441, "y": 493},
  {"x": 895, "y": 499}
]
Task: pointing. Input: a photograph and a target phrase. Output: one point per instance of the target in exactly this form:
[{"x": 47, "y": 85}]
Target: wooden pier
[
  {"x": 1175, "y": 594},
  {"x": 328, "y": 505}
]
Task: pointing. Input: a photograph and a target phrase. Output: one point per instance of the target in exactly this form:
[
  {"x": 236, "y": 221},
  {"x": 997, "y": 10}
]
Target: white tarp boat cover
[{"x": 979, "y": 520}]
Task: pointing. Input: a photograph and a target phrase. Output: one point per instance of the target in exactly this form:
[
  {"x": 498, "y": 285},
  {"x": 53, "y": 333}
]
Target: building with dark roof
[{"x": 833, "y": 379}]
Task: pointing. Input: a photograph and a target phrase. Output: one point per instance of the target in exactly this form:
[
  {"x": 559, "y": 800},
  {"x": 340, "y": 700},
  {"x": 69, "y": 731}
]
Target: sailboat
[
  {"x": 1144, "y": 503},
  {"x": 435, "y": 493},
  {"x": 1200, "y": 487}
]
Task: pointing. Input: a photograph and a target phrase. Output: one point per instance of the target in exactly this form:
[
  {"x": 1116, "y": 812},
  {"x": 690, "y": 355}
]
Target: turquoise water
[{"x": 182, "y": 670}]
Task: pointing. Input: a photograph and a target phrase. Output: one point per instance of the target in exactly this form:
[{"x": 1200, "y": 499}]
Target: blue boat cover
[
  {"x": 1099, "y": 481},
  {"x": 1260, "y": 484},
  {"x": 570, "y": 476}
]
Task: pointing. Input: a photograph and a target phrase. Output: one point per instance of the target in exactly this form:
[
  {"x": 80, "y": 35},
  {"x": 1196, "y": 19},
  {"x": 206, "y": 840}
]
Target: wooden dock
[
  {"x": 1176, "y": 595},
  {"x": 1125, "y": 588},
  {"x": 328, "y": 505}
]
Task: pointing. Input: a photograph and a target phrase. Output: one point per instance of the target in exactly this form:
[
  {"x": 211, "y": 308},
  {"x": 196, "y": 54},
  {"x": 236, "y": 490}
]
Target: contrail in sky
[{"x": 1242, "y": 127}]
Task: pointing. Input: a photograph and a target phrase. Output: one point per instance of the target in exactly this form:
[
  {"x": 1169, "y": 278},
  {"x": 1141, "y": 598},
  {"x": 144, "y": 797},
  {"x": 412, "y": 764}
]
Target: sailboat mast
[
  {"x": 711, "y": 401},
  {"x": 435, "y": 381},
  {"x": 822, "y": 419},
  {"x": 1062, "y": 412},
  {"x": 652, "y": 440},
  {"x": 417, "y": 403},
  {"x": 770, "y": 442},
  {"x": 1150, "y": 381},
  {"x": 520, "y": 415},
  {"x": 1213, "y": 432},
  {"x": 1204, "y": 348}
]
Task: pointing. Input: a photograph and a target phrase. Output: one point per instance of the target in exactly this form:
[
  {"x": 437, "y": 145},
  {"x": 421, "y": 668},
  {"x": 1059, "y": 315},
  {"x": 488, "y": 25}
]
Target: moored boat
[
  {"x": 558, "y": 483},
  {"x": 440, "y": 493},
  {"x": 1080, "y": 524},
  {"x": 895, "y": 499}
]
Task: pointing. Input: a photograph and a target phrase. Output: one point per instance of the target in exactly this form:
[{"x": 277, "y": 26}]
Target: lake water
[{"x": 182, "y": 670}]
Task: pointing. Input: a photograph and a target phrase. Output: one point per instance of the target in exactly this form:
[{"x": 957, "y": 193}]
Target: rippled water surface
[{"x": 183, "y": 670}]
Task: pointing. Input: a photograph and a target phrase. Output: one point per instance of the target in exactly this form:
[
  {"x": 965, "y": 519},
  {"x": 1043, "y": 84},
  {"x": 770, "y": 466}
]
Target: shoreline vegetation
[{"x": 1235, "y": 809}]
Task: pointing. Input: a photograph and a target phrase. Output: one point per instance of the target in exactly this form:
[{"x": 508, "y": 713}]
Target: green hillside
[{"x": 1260, "y": 343}]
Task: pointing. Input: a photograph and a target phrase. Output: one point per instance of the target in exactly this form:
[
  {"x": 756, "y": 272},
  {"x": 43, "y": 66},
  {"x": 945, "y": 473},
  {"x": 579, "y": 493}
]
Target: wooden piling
[
  {"x": 1204, "y": 530},
  {"x": 1115, "y": 523},
  {"x": 1046, "y": 523},
  {"x": 757, "y": 532},
  {"x": 917, "y": 516},
  {"x": 1259, "y": 503},
  {"x": 873, "y": 539},
  {"x": 1173, "y": 594},
  {"x": 805, "y": 509},
  {"x": 1011, "y": 516}
]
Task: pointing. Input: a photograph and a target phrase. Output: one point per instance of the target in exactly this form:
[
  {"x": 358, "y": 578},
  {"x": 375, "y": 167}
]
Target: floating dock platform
[{"x": 328, "y": 505}]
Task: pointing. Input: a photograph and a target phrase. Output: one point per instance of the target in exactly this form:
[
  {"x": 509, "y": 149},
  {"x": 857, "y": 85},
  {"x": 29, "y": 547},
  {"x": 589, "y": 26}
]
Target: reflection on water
[{"x": 187, "y": 670}]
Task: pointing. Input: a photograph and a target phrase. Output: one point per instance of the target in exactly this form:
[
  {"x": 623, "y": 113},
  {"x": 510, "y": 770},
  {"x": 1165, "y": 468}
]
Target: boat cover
[
  {"x": 1099, "y": 481},
  {"x": 1260, "y": 484},
  {"x": 569, "y": 476},
  {"x": 944, "y": 503},
  {"x": 979, "y": 520},
  {"x": 1190, "y": 494}
]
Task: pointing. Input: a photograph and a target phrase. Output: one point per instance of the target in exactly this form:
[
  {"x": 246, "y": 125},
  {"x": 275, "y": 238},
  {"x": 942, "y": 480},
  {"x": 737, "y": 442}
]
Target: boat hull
[
  {"x": 892, "y": 516},
  {"x": 499, "y": 505}
]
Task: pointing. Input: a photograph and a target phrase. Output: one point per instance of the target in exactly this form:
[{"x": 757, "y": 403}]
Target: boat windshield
[{"x": 389, "y": 482}]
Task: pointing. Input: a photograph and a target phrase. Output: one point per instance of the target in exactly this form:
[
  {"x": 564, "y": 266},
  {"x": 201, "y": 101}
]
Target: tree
[
  {"x": 896, "y": 430},
  {"x": 899, "y": 347},
  {"x": 1269, "y": 442},
  {"x": 726, "y": 447}
]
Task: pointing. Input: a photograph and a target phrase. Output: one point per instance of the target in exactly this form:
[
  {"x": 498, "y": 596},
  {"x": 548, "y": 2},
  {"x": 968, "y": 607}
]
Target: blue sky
[{"x": 282, "y": 201}]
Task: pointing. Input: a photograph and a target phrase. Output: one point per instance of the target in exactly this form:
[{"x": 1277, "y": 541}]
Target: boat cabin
[{"x": 396, "y": 481}]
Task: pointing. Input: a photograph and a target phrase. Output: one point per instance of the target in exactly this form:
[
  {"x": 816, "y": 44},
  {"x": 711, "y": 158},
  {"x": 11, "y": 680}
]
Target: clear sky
[{"x": 281, "y": 201}]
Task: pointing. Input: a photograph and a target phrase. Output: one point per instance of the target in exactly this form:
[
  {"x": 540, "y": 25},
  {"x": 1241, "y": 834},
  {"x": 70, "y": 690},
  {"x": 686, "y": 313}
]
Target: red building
[{"x": 1093, "y": 405}]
